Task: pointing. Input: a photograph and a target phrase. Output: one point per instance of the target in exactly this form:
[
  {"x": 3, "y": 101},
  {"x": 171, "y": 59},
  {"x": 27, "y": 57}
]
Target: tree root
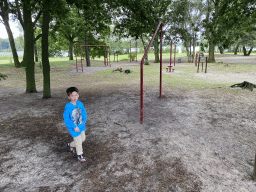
[{"x": 244, "y": 85}]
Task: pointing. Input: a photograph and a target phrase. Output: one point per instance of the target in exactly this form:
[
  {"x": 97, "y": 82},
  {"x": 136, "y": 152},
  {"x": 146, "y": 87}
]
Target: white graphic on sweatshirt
[{"x": 77, "y": 116}]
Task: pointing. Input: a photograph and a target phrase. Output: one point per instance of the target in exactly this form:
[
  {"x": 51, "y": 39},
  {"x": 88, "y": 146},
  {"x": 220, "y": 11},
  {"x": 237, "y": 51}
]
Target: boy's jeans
[{"x": 77, "y": 143}]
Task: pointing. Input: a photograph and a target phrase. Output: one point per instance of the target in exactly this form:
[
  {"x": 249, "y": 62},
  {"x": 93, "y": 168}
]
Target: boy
[{"x": 75, "y": 118}]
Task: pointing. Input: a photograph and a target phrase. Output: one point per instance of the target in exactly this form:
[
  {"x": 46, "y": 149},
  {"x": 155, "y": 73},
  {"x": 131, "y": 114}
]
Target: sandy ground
[{"x": 190, "y": 141}]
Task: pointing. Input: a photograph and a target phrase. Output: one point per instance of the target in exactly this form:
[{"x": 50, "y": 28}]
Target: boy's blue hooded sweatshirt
[{"x": 75, "y": 116}]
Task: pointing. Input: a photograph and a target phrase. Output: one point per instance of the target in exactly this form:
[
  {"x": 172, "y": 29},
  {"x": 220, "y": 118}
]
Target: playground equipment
[
  {"x": 106, "y": 58},
  {"x": 159, "y": 26},
  {"x": 198, "y": 55},
  {"x": 169, "y": 67},
  {"x": 202, "y": 60},
  {"x": 131, "y": 50}
]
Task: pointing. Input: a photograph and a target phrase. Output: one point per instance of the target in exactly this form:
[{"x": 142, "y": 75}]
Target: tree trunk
[
  {"x": 187, "y": 50},
  {"x": 190, "y": 44},
  {"x": 29, "y": 48},
  {"x": 249, "y": 52},
  {"x": 221, "y": 49},
  {"x": 35, "y": 49},
  {"x": 211, "y": 58},
  {"x": 45, "y": 52},
  {"x": 5, "y": 17},
  {"x": 194, "y": 45},
  {"x": 87, "y": 50},
  {"x": 156, "y": 50},
  {"x": 236, "y": 49},
  {"x": 145, "y": 48},
  {"x": 71, "y": 50}
]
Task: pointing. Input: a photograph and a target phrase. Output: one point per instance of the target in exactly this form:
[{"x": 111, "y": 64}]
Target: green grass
[{"x": 184, "y": 78}]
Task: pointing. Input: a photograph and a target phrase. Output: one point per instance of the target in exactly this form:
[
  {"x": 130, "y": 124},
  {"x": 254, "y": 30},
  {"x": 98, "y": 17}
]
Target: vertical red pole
[
  {"x": 205, "y": 64},
  {"x": 161, "y": 45},
  {"x": 171, "y": 54},
  {"x": 141, "y": 92},
  {"x": 136, "y": 49},
  {"x": 174, "y": 54},
  {"x": 105, "y": 56},
  {"x": 76, "y": 59},
  {"x": 130, "y": 50},
  {"x": 81, "y": 58}
]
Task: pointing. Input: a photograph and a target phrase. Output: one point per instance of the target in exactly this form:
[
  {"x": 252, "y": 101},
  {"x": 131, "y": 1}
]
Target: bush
[{"x": 133, "y": 56}]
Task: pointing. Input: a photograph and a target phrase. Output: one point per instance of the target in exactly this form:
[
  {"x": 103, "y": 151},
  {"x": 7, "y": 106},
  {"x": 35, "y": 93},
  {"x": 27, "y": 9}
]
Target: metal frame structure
[
  {"x": 131, "y": 50},
  {"x": 170, "y": 66},
  {"x": 106, "y": 58},
  {"x": 159, "y": 26}
]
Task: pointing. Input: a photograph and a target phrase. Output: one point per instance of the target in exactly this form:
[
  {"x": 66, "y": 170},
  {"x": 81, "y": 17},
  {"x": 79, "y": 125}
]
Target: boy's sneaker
[
  {"x": 72, "y": 149},
  {"x": 81, "y": 158}
]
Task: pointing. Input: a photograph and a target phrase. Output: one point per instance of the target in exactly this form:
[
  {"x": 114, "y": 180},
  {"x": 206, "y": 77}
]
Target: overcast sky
[{"x": 3, "y": 33}]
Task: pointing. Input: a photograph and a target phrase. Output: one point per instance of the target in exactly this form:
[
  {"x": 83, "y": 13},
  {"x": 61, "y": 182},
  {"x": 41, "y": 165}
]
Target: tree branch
[
  {"x": 37, "y": 17},
  {"x": 19, "y": 14},
  {"x": 37, "y": 37}
]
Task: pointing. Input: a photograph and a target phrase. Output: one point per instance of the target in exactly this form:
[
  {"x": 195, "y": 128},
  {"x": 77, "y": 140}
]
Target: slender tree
[
  {"x": 4, "y": 13},
  {"x": 50, "y": 10},
  {"x": 71, "y": 27},
  {"x": 45, "y": 49},
  {"x": 96, "y": 15},
  {"x": 139, "y": 18}
]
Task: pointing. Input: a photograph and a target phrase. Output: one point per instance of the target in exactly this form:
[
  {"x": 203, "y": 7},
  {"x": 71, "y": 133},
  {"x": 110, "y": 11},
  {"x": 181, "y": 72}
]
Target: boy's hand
[{"x": 77, "y": 129}]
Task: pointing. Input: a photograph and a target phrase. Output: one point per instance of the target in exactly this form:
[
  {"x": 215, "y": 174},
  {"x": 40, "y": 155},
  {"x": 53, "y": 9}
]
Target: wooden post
[
  {"x": 205, "y": 64},
  {"x": 196, "y": 59},
  {"x": 198, "y": 65}
]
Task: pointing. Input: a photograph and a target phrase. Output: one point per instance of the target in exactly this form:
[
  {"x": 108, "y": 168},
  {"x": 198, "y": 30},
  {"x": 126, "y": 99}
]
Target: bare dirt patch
[{"x": 190, "y": 141}]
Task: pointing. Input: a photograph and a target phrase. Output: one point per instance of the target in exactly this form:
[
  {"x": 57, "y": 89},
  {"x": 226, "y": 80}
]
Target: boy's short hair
[{"x": 70, "y": 90}]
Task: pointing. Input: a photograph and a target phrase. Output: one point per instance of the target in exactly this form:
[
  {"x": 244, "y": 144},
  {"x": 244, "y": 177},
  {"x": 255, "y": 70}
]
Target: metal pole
[
  {"x": 160, "y": 94},
  {"x": 171, "y": 54},
  {"x": 130, "y": 51},
  {"x": 105, "y": 56},
  {"x": 76, "y": 59},
  {"x": 141, "y": 92},
  {"x": 141, "y": 74},
  {"x": 205, "y": 64},
  {"x": 136, "y": 49},
  {"x": 198, "y": 64},
  {"x": 81, "y": 58},
  {"x": 174, "y": 55}
]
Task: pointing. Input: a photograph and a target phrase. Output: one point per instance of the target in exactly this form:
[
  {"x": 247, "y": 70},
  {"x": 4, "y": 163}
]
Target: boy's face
[{"x": 73, "y": 97}]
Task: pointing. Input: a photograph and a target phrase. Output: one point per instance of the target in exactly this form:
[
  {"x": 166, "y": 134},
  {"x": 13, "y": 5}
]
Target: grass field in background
[{"x": 184, "y": 77}]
